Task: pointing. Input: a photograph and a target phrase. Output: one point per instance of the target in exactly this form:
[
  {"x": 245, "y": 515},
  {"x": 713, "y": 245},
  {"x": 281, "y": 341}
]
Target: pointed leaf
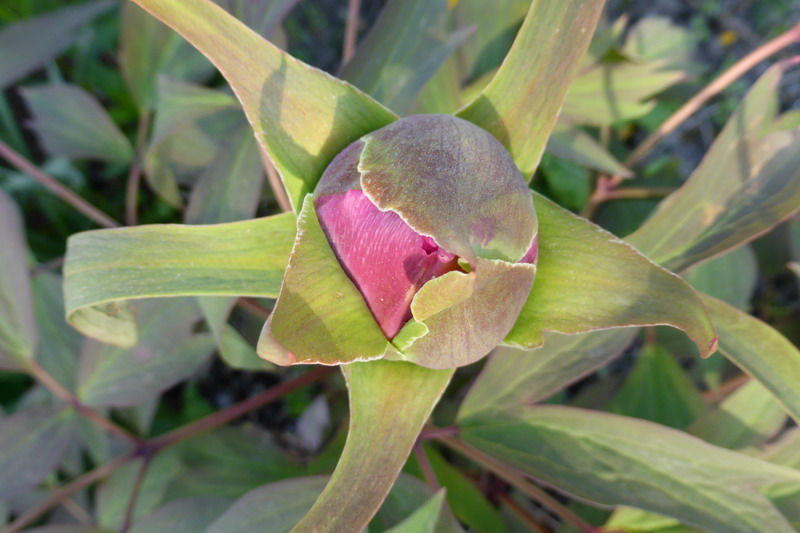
[
  {"x": 27, "y": 45},
  {"x": 521, "y": 104},
  {"x": 615, "y": 460},
  {"x": 760, "y": 351},
  {"x": 407, "y": 495},
  {"x": 190, "y": 515},
  {"x": 574, "y": 144},
  {"x": 59, "y": 355},
  {"x": 747, "y": 183},
  {"x": 320, "y": 316},
  {"x": 17, "y": 324},
  {"x": 609, "y": 93},
  {"x": 230, "y": 188},
  {"x": 731, "y": 277},
  {"x": 514, "y": 377},
  {"x": 424, "y": 519},
  {"x": 750, "y": 416},
  {"x": 32, "y": 443},
  {"x": 403, "y": 49},
  {"x": 588, "y": 279},
  {"x": 166, "y": 354},
  {"x": 104, "y": 267},
  {"x": 389, "y": 403},
  {"x": 232, "y": 347},
  {"x": 71, "y": 122},
  {"x": 659, "y": 390},
  {"x": 301, "y": 116}
]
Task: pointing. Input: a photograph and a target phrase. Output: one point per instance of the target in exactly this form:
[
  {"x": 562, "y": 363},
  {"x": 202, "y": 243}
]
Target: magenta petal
[
  {"x": 386, "y": 259},
  {"x": 533, "y": 252}
]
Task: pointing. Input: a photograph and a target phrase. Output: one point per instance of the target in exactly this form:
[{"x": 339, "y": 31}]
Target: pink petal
[
  {"x": 386, "y": 259},
  {"x": 533, "y": 252}
]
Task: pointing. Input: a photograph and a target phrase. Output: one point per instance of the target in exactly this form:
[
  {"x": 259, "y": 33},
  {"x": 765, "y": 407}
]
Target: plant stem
[
  {"x": 351, "y": 30},
  {"x": 709, "y": 91},
  {"x": 425, "y": 466},
  {"x": 513, "y": 477},
  {"x": 150, "y": 448},
  {"x": 275, "y": 182},
  {"x": 43, "y": 377},
  {"x": 56, "y": 187},
  {"x": 137, "y": 487},
  {"x": 135, "y": 173}
]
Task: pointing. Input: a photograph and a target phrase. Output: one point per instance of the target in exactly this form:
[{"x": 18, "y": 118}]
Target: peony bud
[{"x": 433, "y": 233}]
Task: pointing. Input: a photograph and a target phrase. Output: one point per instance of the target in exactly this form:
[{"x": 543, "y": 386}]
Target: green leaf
[
  {"x": 467, "y": 501},
  {"x": 148, "y": 49},
  {"x": 615, "y": 460},
  {"x": 389, "y": 403},
  {"x": 402, "y": 51},
  {"x": 489, "y": 44},
  {"x": 104, "y": 267},
  {"x": 59, "y": 354},
  {"x": 114, "y": 493},
  {"x": 609, "y": 93},
  {"x": 731, "y": 277},
  {"x": 190, "y": 515},
  {"x": 424, "y": 519},
  {"x": 320, "y": 316},
  {"x": 588, "y": 279},
  {"x": 191, "y": 125},
  {"x": 748, "y": 417},
  {"x": 233, "y": 348},
  {"x": 658, "y": 39},
  {"x": 32, "y": 443},
  {"x": 442, "y": 93},
  {"x": 568, "y": 183},
  {"x": 407, "y": 495},
  {"x": 574, "y": 144},
  {"x": 521, "y": 103},
  {"x": 167, "y": 353},
  {"x": 277, "y": 506},
  {"x": 515, "y": 377},
  {"x": 229, "y": 462},
  {"x": 659, "y": 390},
  {"x": 27, "y": 45},
  {"x": 71, "y": 122},
  {"x": 230, "y": 188},
  {"x": 301, "y": 116},
  {"x": 760, "y": 351},
  {"x": 17, "y": 324},
  {"x": 747, "y": 183}
]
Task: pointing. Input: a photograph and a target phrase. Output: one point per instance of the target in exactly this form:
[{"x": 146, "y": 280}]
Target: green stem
[{"x": 389, "y": 403}]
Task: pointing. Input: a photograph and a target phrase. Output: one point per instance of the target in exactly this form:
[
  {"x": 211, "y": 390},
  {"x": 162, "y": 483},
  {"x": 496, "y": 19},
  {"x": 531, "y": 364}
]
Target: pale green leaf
[
  {"x": 389, "y": 403},
  {"x": 494, "y": 34},
  {"x": 149, "y": 48},
  {"x": 232, "y": 347},
  {"x": 609, "y": 93},
  {"x": 521, "y": 103},
  {"x": 407, "y": 495},
  {"x": 114, "y": 492},
  {"x": 515, "y": 377},
  {"x": 230, "y": 188},
  {"x": 659, "y": 390},
  {"x": 104, "y": 267},
  {"x": 302, "y": 117},
  {"x": 17, "y": 324},
  {"x": 402, "y": 51},
  {"x": 71, "y": 122},
  {"x": 424, "y": 519},
  {"x": 750, "y": 416},
  {"x": 631, "y": 519},
  {"x": 574, "y": 144},
  {"x": 68, "y": 529},
  {"x": 190, "y": 515},
  {"x": 28, "y": 44},
  {"x": 166, "y": 354},
  {"x": 277, "y": 505},
  {"x": 747, "y": 183},
  {"x": 588, "y": 279},
  {"x": 32, "y": 443},
  {"x": 59, "y": 355},
  {"x": 658, "y": 39},
  {"x": 615, "y": 460},
  {"x": 442, "y": 93},
  {"x": 760, "y": 351},
  {"x": 731, "y": 277}
]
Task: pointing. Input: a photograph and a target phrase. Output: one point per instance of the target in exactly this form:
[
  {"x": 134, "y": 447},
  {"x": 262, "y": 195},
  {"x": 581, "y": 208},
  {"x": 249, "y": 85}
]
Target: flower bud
[{"x": 433, "y": 230}]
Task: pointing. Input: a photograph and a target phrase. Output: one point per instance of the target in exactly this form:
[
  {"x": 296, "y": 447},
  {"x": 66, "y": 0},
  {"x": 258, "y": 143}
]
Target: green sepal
[{"x": 320, "y": 315}]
